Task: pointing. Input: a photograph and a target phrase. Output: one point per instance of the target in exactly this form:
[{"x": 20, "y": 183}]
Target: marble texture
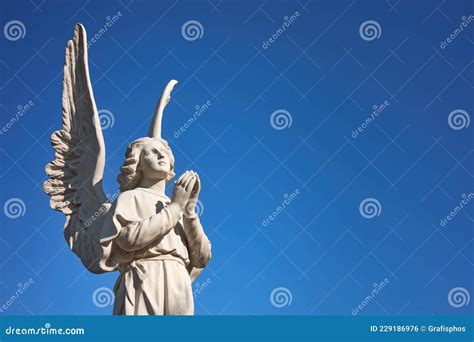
[{"x": 156, "y": 243}]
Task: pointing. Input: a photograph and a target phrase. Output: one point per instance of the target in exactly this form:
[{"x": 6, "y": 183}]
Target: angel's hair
[{"x": 130, "y": 175}]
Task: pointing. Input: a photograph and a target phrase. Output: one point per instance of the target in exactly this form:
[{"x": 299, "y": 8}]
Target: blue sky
[{"x": 321, "y": 76}]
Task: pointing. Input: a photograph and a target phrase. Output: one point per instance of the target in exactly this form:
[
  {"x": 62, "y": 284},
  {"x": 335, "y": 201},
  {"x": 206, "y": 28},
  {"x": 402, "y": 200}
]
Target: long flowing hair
[{"x": 130, "y": 175}]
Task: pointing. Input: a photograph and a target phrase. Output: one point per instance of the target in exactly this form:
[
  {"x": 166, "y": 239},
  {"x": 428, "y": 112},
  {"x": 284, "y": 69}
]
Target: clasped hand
[{"x": 186, "y": 191}]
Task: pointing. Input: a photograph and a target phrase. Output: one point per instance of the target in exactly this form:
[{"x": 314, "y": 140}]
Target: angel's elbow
[
  {"x": 124, "y": 243},
  {"x": 199, "y": 263},
  {"x": 207, "y": 256},
  {"x": 201, "y": 259},
  {"x": 205, "y": 260}
]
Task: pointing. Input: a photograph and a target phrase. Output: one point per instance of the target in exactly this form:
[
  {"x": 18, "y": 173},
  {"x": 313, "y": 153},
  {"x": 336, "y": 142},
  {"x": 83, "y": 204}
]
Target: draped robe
[{"x": 158, "y": 254}]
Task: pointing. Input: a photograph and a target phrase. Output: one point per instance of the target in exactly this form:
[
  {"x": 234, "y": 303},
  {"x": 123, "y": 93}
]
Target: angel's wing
[{"x": 75, "y": 183}]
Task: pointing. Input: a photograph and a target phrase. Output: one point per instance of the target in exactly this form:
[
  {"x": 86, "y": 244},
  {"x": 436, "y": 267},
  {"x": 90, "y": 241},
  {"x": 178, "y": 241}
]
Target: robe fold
[{"x": 156, "y": 251}]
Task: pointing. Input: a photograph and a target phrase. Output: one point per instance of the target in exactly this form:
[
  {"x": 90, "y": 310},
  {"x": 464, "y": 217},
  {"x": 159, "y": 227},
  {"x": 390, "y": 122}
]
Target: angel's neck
[{"x": 155, "y": 185}]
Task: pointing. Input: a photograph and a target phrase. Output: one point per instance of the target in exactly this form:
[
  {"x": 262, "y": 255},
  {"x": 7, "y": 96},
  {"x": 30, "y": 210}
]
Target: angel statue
[{"x": 156, "y": 243}]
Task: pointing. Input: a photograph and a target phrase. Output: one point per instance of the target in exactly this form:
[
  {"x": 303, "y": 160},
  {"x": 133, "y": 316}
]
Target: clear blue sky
[{"x": 328, "y": 78}]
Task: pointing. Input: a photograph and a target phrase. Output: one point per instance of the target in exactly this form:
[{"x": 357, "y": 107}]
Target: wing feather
[{"x": 75, "y": 175}]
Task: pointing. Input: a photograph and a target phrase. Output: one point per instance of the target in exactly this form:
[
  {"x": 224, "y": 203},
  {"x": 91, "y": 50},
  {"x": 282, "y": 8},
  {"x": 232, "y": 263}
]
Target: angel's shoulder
[{"x": 126, "y": 196}]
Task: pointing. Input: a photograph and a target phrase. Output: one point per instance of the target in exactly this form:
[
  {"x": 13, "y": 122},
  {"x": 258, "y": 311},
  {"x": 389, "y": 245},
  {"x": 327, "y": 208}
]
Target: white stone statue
[{"x": 156, "y": 243}]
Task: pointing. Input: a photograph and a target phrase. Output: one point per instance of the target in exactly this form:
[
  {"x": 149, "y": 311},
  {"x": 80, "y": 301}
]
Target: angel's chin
[
  {"x": 163, "y": 174},
  {"x": 161, "y": 169},
  {"x": 156, "y": 173}
]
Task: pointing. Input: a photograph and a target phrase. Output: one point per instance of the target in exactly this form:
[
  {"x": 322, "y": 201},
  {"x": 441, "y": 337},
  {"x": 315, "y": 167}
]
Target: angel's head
[{"x": 149, "y": 158}]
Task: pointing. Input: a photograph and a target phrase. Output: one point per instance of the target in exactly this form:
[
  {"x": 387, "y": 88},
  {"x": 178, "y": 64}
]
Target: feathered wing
[{"x": 75, "y": 183}]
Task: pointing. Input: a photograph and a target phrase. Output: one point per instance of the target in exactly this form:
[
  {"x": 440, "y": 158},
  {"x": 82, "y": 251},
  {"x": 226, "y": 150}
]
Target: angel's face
[{"x": 154, "y": 162}]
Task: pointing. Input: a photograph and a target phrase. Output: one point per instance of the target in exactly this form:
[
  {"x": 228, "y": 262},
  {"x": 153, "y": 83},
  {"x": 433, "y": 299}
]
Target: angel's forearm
[
  {"x": 199, "y": 246},
  {"x": 138, "y": 235}
]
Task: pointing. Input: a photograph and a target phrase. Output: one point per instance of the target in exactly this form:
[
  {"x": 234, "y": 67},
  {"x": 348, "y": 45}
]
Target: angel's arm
[
  {"x": 199, "y": 246},
  {"x": 139, "y": 234}
]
